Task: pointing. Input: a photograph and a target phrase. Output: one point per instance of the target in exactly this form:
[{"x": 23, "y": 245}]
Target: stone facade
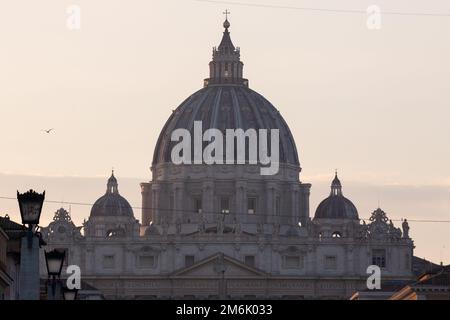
[
  {"x": 225, "y": 230},
  {"x": 262, "y": 264}
]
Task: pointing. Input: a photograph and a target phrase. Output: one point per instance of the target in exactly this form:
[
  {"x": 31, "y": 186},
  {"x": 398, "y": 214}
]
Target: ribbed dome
[
  {"x": 336, "y": 206},
  {"x": 112, "y": 203},
  {"x": 226, "y": 102},
  {"x": 226, "y": 107}
]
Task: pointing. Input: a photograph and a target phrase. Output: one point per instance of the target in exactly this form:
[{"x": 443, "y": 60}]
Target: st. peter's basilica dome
[{"x": 226, "y": 102}]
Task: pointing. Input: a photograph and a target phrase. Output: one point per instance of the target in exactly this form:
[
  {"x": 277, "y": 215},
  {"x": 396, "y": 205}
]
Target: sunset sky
[{"x": 373, "y": 103}]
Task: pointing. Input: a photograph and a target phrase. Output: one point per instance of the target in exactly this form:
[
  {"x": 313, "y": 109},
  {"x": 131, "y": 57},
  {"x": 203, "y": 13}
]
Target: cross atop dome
[
  {"x": 226, "y": 13},
  {"x": 226, "y": 23}
]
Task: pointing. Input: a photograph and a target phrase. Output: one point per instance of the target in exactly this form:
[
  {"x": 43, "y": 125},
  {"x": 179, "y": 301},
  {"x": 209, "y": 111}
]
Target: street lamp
[
  {"x": 54, "y": 260},
  {"x": 30, "y": 204},
  {"x": 70, "y": 294}
]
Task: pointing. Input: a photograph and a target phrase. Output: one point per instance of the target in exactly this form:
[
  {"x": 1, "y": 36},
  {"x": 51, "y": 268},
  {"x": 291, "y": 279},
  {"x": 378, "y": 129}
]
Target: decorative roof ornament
[
  {"x": 226, "y": 23},
  {"x": 62, "y": 215},
  {"x": 379, "y": 216},
  {"x": 61, "y": 228},
  {"x": 405, "y": 227},
  {"x": 380, "y": 228}
]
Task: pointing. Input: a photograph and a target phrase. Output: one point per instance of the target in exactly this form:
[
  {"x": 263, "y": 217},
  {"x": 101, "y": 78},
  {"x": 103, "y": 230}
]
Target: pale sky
[{"x": 373, "y": 103}]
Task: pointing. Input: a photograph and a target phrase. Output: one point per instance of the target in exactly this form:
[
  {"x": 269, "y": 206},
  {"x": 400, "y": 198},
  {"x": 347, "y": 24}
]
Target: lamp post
[
  {"x": 54, "y": 261},
  {"x": 30, "y": 205}
]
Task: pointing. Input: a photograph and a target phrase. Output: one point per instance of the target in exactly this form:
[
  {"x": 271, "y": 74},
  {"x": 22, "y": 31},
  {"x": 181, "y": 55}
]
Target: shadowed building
[
  {"x": 225, "y": 230},
  {"x": 432, "y": 283},
  {"x": 11, "y": 234}
]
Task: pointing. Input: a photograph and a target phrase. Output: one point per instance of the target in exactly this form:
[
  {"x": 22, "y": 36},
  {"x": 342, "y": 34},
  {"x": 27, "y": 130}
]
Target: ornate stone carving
[
  {"x": 405, "y": 227},
  {"x": 202, "y": 225},
  {"x": 220, "y": 224},
  {"x": 62, "y": 227},
  {"x": 62, "y": 215},
  {"x": 276, "y": 229},
  {"x": 379, "y": 228}
]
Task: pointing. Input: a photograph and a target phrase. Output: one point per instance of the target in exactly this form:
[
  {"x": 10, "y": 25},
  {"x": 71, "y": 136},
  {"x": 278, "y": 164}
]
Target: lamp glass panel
[
  {"x": 31, "y": 211},
  {"x": 69, "y": 295},
  {"x": 54, "y": 265}
]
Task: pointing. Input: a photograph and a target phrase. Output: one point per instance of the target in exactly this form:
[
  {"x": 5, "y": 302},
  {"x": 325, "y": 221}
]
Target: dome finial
[
  {"x": 112, "y": 186},
  {"x": 226, "y": 23},
  {"x": 226, "y": 67},
  {"x": 336, "y": 186}
]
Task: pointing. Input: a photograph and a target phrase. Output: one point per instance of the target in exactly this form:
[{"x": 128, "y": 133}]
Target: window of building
[
  {"x": 227, "y": 72},
  {"x": 225, "y": 205},
  {"x": 292, "y": 262},
  {"x": 251, "y": 205},
  {"x": 277, "y": 205},
  {"x": 146, "y": 261},
  {"x": 249, "y": 261},
  {"x": 379, "y": 257},
  {"x": 336, "y": 234},
  {"x": 198, "y": 205},
  {"x": 189, "y": 261},
  {"x": 330, "y": 262},
  {"x": 108, "y": 261}
]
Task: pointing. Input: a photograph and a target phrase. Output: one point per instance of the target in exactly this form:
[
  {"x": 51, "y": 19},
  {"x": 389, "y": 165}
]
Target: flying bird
[{"x": 48, "y": 131}]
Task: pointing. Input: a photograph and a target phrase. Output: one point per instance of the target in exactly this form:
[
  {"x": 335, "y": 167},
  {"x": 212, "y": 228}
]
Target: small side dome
[
  {"x": 112, "y": 203},
  {"x": 336, "y": 206}
]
